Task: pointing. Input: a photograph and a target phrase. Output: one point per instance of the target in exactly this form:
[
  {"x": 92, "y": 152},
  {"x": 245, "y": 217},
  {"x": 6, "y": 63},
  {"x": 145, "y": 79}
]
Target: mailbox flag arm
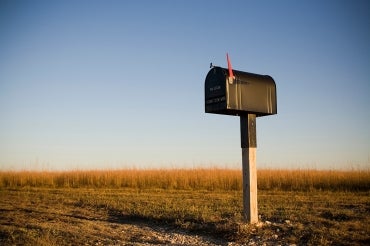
[{"x": 231, "y": 74}]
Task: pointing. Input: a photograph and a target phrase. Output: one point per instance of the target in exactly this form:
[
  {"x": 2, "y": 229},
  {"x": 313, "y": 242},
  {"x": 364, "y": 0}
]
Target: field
[{"x": 198, "y": 207}]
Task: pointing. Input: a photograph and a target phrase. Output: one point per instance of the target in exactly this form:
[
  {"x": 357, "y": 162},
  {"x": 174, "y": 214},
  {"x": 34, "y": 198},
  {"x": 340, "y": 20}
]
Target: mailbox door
[{"x": 215, "y": 90}]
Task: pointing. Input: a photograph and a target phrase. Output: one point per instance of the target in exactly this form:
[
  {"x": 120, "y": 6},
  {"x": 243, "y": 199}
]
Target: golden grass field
[
  {"x": 124, "y": 207},
  {"x": 191, "y": 179}
]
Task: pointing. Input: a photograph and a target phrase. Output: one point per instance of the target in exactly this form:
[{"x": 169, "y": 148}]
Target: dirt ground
[
  {"x": 27, "y": 222},
  {"x": 56, "y": 217}
]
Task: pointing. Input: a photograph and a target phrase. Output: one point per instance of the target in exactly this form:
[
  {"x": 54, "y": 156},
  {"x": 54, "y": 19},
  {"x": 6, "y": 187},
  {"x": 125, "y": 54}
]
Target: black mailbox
[{"x": 244, "y": 93}]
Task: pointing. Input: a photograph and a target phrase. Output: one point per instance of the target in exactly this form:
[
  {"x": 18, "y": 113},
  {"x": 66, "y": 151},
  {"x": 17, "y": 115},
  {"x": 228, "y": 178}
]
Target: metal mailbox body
[{"x": 246, "y": 93}]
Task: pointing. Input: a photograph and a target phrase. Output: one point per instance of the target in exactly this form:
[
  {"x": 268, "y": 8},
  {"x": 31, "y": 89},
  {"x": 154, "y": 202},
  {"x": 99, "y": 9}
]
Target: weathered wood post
[
  {"x": 247, "y": 95},
  {"x": 249, "y": 169}
]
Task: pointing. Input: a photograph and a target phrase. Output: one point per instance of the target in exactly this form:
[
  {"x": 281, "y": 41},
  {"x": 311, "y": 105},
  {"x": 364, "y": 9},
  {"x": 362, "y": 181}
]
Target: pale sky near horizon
[{"x": 120, "y": 84}]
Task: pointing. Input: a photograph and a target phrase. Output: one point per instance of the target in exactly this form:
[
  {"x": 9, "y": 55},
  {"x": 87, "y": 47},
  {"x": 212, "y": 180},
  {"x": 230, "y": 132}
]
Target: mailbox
[{"x": 244, "y": 93}]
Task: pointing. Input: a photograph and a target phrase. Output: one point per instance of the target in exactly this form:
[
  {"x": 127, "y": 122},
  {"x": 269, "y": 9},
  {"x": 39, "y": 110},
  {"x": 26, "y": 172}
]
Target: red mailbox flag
[{"x": 231, "y": 74}]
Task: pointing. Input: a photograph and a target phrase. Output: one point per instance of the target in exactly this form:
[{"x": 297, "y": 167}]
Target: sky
[{"x": 120, "y": 84}]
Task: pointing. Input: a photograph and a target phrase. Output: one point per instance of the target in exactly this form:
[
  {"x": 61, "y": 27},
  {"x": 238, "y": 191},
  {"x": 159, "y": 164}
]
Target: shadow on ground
[{"x": 208, "y": 232}]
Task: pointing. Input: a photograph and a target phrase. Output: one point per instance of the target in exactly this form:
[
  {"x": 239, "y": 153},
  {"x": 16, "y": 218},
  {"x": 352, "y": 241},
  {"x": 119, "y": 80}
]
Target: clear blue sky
[{"x": 117, "y": 84}]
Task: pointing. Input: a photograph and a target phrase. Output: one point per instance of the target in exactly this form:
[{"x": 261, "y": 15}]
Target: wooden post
[{"x": 249, "y": 147}]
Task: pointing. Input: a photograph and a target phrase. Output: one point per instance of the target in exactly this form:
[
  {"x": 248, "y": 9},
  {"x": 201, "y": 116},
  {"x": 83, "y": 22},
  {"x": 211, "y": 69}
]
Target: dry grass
[
  {"x": 305, "y": 207},
  {"x": 196, "y": 179}
]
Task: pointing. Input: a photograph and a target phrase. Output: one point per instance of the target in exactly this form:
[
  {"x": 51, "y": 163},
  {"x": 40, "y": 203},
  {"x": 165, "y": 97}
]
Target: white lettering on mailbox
[
  {"x": 215, "y": 88},
  {"x": 216, "y": 100}
]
